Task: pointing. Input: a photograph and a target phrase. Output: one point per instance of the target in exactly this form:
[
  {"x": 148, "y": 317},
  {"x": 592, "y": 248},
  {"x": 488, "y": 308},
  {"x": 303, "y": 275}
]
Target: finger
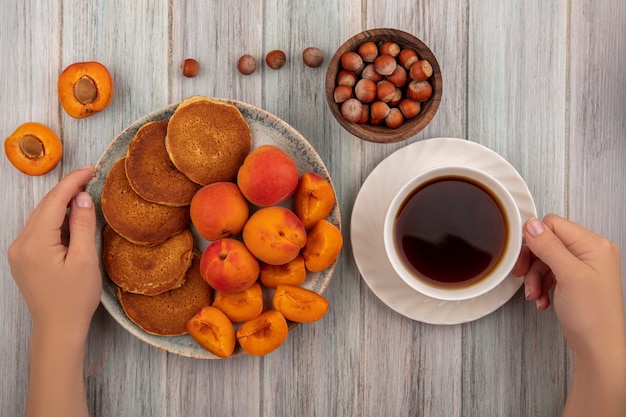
[
  {"x": 523, "y": 262},
  {"x": 578, "y": 240},
  {"x": 82, "y": 226},
  {"x": 548, "y": 247},
  {"x": 50, "y": 212},
  {"x": 533, "y": 279}
]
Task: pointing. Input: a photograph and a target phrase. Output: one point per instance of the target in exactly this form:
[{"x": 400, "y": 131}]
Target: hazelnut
[
  {"x": 342, "y": 93},
  {"x": 390, "y": 48},
  {"x": 365, "y": 115},
  {"x": 351, "y": 61},
  {"x": 190, "y": 67},
  {"x": 419, "y": 90},
  {"x": 313, "y": 57},
  {"x": 409, "y": 108},
  {"x": 365, "y": 90},
  {"x": 421, "y": 70},
  {"x": 370, "y": 73},
  {"x": 379, "y": 110},
  {"x": 385, "y": 91},
  {"x": 345, "y": 77},
  {"x": 396, "y": 98},
  {"x": 352, "y": 110},
  {"x": 398, "y": 77},
  {"x": 368, "y": 51},
  {"x": 275, "y": 59},
  {"x": 407, "y": 57},
  {"x": 246, "y": 64},
  {"x": 394, "y": 119},
  {"x": 385, "y": 64}
]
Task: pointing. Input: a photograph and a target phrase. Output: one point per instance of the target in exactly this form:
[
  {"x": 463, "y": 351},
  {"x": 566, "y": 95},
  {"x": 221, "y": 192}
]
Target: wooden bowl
[{"x": 410, "y": 127}]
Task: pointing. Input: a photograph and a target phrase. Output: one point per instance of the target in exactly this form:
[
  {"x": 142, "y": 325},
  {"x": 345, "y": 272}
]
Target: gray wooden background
[{"x": 541, "y": 82}]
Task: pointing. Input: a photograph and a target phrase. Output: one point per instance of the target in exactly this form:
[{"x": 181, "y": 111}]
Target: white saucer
[{"x": 368, "y": 216}]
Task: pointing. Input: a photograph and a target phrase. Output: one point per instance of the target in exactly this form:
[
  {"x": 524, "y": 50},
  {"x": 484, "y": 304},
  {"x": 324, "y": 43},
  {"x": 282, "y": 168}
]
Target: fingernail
[
  {"x": 539, "y": 303},
  {"x": 526, "y": 291},
  {"x": 83, "y": 200},
  {"x": 534, "y": 227}
]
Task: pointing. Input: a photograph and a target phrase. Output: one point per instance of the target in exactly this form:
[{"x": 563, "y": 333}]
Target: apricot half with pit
[
  {"x": 228, "y": 266},
  {"x": 324, "y": 242},
  {"x": 85, "y": 88},
  {"x": 213, "y": 331},
  {"x": 268, "y": 176},
  {"x": 274, "y": 235},
  {"x": 263, "y": 334},
  {"x": 33, "y": 148},
  {"x": 299, "y": 304},
  {"x": 314, "y": 199}
]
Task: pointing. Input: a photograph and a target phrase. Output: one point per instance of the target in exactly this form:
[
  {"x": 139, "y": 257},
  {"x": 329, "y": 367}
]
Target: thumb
[
  {"x": 82, "y": 225},
  {"x": 547, "y": 246}
]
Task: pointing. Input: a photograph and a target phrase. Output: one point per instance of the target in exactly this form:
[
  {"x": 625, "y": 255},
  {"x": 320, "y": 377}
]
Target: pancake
[
  {"x": 147, "y": 270},
  {"x": 150, "y": 170},
  {"x": 207, "y": 140},
  {"x": 138, "y": 220},
  {"x": 167, "y": 314}
]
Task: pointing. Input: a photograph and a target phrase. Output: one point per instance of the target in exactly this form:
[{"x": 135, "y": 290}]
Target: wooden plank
[
  {"x": 517, "y": 107},
  {"x": 30, "y": 59}
]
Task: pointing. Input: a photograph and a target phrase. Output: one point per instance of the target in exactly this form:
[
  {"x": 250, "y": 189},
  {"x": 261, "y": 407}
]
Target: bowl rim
[{"x": 383, "y": 134}]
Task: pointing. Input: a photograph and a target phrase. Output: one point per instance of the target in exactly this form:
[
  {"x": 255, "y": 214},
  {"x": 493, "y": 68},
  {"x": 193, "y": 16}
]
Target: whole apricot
[
  {"x": 314, "y": 199},
  {"x": 299, "y": 304},
  {"x": 219, "y": 210},
  {"x": 212, "y": 330},
  {"x": 241, "y": 306},
  {"x": 293, "y": 273},
  {"x": 274, "y": 235},
  {"x": 324, "y": 242},
  {"x": 263, "y": 334},
  {"x": 33, "y": 148},
  {"x": 267, "y": 176},
  {"x": 228, "y": 266}
]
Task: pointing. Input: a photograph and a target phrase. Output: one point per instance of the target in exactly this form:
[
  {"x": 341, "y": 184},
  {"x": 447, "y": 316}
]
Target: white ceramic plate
[
  {"x": 368, "y": 216},
  {"x": 266, "y": 129}
]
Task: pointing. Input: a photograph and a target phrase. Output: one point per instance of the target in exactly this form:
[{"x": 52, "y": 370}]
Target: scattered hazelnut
[
  {"x": 313, "y": 57},
  {"x": 246, "y": 64},
  {"x": 190, "y": 67},
  {"x": 275, "y": 59}
]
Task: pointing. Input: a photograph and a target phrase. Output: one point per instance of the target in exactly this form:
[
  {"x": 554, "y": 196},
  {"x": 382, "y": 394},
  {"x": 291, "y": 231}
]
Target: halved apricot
[
  {"x": 299, "y": 304},
  {"x": 34, "y": 148},
  {"x": 213, "y": 331},
  {"x": 314, "y": 199},
  {"x": 241, "y": 306},
  {"x": 293, "y": 273},
  {"x": 324, "y": 242},
  {"x": 85, "y": 88},
  {"x": 263, "y": 334}
]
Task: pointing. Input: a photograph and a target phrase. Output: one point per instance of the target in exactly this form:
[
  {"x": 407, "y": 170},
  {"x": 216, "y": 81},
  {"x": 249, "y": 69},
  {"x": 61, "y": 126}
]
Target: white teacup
[{"x": 482, "y": 237}]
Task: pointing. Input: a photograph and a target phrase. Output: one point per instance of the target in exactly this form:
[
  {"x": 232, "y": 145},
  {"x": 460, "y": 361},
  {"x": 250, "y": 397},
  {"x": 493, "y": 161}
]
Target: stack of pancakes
[{"x": 148, "y": 249}]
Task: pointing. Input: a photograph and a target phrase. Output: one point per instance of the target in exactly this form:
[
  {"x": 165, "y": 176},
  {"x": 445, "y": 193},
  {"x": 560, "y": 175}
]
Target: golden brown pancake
[
  {"x": 207, "y": 140},
  {"x": 148, "y": 270},
  {"x": 150, "y": 170},
  {"x": 167, "y": 314},
  {"x": 138, "y": 220}
]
